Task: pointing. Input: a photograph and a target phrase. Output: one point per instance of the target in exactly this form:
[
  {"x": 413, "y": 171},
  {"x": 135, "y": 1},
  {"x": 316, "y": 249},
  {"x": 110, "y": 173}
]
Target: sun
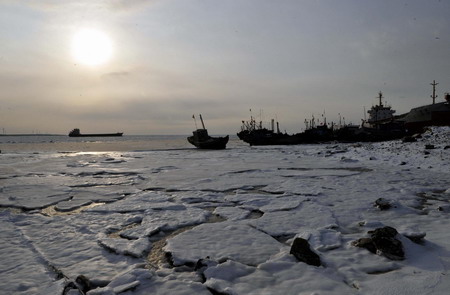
[{"x": 91, "y": 47}]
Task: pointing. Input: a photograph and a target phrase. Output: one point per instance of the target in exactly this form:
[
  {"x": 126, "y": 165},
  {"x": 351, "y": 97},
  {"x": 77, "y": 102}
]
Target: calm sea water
[{"x": 61, "y": 143}]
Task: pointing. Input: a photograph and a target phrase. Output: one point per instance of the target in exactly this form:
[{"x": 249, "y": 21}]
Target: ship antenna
[
  {"x": 380, "y": 96},
  {"x": 195, "y": 121},
  {"x": 201, "y": 119},
  {"x": 434, "y": 90}
]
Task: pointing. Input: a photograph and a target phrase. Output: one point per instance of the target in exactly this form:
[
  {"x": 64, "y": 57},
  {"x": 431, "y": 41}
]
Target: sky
[{"x": 166, "y": 60}]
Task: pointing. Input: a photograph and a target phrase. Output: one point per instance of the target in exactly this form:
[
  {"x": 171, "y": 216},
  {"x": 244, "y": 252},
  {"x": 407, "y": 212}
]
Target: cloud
[
  {"x": 113, "y": 5},
  {"x": 116, "y": 75}
]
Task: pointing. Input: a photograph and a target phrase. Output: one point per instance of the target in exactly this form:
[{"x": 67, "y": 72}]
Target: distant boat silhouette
[{"x": 76, "y": 133}]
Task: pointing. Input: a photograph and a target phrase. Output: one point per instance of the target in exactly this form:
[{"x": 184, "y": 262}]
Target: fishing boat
[
  {"x": 202, "y": 140},
  {"x": 255, "y": 134},
  {"x": 76, "y": 133}
]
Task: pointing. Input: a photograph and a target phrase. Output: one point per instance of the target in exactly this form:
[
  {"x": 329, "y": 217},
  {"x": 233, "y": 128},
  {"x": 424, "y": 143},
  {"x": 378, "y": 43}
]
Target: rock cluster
[{"x": 382, "y": 241}]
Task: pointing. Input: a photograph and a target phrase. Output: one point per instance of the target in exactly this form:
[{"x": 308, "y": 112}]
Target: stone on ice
[{"x": 301, "y": 250}]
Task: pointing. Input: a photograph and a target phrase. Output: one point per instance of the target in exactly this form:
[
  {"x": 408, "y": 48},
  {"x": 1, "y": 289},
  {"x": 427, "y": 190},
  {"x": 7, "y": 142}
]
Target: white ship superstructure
[{"x": 380, "y": 113}]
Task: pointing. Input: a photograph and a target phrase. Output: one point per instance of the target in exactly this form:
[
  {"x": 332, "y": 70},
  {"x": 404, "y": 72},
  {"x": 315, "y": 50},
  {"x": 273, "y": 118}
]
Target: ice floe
[{"x": 223, "y": 222}]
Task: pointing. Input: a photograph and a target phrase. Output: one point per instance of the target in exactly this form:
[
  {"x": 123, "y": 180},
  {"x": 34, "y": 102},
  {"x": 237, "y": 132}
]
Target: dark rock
[
  {"x": 387, "y": 231},
  {"x": 382, "y": 241},
  {"x": 444, "y": 208},
  {"x": 83, "y": 283},
  {"x": 409, "y": 139},
  {"x": 382, "y": 204},
  {"x": 366, "y": 243},
  {"x": 417, "y": 238},
  {"x": 203, "y": 263},
  {"x": 68, "y": 287},
  {"x": 301, "y": 250},
  {"x": 429, "y": 146},
  {"x": 447, "y": 147}
]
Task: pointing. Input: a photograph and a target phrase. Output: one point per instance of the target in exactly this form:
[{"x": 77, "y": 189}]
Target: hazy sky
[{"x": 174, "y": 58}]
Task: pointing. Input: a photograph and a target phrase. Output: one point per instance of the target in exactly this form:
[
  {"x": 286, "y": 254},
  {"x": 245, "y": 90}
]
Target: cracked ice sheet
[
  {"x": 139, "y": 203},
  {"x": 166, "y": 220},
  {"x": 305, "y": 186},
  {"x": 32, "y": 196},
  {"x": 22, "y": 270},
  {"x": 280, "y": 275},
  {"x": 249, "y": 201},
  {"x": 217, "y": 177},
  {"x": 231, "y": 213},
  {"x": 265, "y": 202},
  {"x": 307, "y": 216},
  {"x": 69, "y": 243},
  {"x": 222, "y": 241},
  {"x": 347, "y": 271},
  {"x": 422, "y": 274},
  {"x": 349, "y": 198},
  {"x": 198, "y": 197},
  {"x": 142, "y": 282}
]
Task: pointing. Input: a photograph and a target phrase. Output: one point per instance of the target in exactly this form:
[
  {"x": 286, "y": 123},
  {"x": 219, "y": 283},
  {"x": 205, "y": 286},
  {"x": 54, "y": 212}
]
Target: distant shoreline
[{"x": 32, "y": 135}]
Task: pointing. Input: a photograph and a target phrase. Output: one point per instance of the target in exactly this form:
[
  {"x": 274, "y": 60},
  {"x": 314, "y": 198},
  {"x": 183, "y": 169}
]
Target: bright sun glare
[{"x": 91, "y": 47}]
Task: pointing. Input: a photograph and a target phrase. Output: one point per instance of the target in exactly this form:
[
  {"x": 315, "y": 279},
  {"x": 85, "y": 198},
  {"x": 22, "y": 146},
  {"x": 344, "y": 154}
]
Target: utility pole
[{"x": 434, "y": 90}]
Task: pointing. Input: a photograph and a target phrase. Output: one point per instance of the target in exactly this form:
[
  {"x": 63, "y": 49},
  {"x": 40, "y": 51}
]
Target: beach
[{"x": 135, "y": 216}]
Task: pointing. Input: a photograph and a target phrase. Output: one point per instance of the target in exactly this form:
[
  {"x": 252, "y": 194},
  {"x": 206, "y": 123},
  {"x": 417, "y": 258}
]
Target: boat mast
[
  {"x": 434, "y": 95},
  {"x": 195, "y": 121},
  {"x": 380, "y": 96},
  {"x": 201, "y": 119}
]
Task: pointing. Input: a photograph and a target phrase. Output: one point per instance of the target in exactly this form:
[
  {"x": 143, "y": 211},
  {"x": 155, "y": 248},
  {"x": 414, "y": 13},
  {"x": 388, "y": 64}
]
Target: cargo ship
[
  {"x": 434, "y": 114},
  {"x": 379, "y": 114},
  {"x": 76, "y": 133}
]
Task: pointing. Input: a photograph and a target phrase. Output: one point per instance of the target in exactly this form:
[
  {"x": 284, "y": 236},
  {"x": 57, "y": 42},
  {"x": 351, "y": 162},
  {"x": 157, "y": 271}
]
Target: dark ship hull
[
  {"x": 437, "y": 114},
  {"x": 98, "y": 135},
  {"x": 76, "y": 133},
  {"x": 255, "y": 135},
  {"x": 268, "y": 137},
  {"x": 202, "y": 140},
  {"x": 263, "y": 136}
]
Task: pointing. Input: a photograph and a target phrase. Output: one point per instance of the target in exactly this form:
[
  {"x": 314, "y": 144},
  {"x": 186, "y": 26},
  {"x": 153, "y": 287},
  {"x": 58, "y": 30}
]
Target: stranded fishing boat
[
  {"x": 76, "y": 133},
  {"x": 380, "y": 126},
  {"x": 254, "y": 134},
  {"x": 202, "y": 140}
]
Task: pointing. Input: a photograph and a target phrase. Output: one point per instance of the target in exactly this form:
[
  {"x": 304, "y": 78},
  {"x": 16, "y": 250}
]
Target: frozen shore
[{"x": 223, "y": 222}]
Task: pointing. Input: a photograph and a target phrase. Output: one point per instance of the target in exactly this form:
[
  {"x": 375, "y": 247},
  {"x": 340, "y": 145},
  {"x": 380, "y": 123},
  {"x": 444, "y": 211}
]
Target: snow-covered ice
[{"x": 222, "y": 222}]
